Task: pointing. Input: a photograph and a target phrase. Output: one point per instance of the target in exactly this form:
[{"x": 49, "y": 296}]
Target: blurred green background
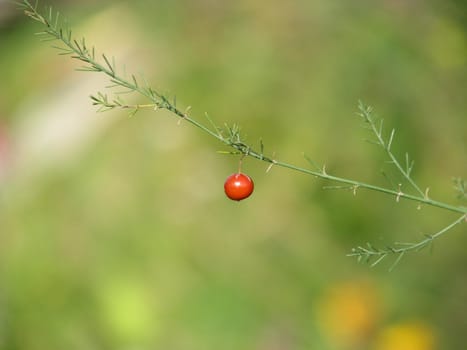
[{"x": 115, "y": 232}]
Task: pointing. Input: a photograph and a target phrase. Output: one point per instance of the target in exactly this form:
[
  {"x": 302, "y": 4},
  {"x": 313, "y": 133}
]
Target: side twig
[{"x": 374, "y": 256}]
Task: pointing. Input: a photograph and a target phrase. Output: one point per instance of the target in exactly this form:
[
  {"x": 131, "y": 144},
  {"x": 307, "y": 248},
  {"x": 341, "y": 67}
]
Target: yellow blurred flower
[
  {"x": 348, "y": 313},
  {"x": 406, "y": 336}
]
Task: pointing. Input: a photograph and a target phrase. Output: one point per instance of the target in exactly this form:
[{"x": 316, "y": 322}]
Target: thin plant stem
[
  {"x": 366, "y": 114},
  {"x": 400, "y": 249}
]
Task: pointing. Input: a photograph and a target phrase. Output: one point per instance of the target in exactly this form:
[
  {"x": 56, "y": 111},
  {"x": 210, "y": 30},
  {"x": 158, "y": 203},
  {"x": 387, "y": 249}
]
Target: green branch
[
  {"x": 230, "y": 135},
  {"x": 399, "y": 248}
]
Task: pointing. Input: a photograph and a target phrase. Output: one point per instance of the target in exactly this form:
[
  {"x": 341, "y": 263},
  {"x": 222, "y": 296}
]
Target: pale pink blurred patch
[{"x": 5, "y": 151}]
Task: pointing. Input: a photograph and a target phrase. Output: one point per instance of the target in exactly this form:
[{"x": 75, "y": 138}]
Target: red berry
[{"x": 238, "y": 186}]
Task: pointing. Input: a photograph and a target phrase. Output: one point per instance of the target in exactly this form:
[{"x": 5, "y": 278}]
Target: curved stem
[{"x": 379, "y": 254}]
